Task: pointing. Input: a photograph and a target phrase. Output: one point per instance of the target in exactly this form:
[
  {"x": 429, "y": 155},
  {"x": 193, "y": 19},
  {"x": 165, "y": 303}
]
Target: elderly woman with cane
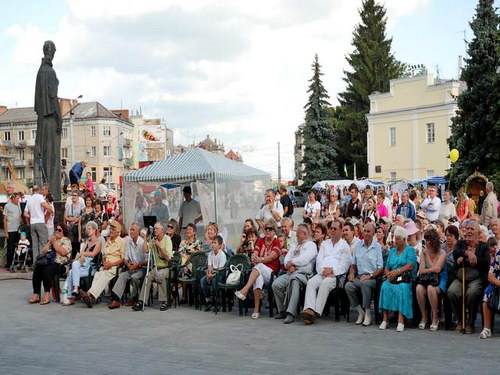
[{"x": 473, "y": 261}]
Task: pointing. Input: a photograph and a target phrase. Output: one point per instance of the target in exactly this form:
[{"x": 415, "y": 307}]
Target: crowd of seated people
[{"x": 406, "y": 255}]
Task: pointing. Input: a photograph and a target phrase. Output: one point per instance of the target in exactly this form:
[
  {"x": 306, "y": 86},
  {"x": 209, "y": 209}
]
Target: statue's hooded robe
[{"x": 49, "y": 128}]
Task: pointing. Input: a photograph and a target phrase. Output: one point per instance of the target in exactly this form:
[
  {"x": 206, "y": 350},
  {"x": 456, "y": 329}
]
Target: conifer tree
[
  {"x": 475, "y": 130},
  {"x": 319, "y": 138},
  {"x": 373, "y": 66}
]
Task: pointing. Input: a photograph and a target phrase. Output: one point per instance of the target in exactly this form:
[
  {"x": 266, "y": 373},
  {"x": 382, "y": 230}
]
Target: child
[
  {"x": 216, "y": 262},
  {"x": 493, "y": 245},
  {"x": 22, "y": 245}
]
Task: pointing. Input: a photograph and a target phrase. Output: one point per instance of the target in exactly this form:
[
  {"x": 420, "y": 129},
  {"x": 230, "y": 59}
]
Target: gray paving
[{"x": 53, "y": 339}]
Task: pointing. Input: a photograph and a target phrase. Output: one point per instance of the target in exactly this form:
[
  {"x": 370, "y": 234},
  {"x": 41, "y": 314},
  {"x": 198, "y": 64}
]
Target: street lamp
[{"x": 71, "y": 116}]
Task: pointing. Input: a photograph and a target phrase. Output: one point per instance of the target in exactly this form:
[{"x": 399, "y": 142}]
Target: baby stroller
[{"x": 23, "y": 253}]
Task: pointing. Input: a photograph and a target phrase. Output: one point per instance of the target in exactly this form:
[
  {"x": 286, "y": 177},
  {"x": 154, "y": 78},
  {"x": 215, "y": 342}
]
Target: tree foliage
[
  {"x": 475, "y": 130},
  {"x": 373, "y": 66},
  {"x": 319, "y": 138}
]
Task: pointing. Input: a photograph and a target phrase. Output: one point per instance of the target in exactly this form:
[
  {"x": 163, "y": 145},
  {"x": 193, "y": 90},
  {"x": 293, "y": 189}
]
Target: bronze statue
[{"x": 47, "y": 155}]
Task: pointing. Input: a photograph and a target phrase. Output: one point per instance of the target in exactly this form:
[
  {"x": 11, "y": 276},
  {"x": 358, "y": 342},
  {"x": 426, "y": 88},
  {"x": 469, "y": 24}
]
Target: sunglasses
[
  {"x": 269, "y": 228},
  {"x": 59, "y": 230},
  {"x": 170, "y": 226}
]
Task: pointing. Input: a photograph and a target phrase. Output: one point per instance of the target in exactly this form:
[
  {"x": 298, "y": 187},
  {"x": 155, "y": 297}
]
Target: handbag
[
  {"x": 405, "y": 277},
  {"x": 494, "y": 299},
  {"x": 234, "y": 277},
  {"x": 427, "y": 279}
]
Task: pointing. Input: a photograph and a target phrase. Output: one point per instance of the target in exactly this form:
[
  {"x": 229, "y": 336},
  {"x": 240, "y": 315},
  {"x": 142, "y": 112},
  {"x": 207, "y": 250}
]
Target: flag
[{"x": 345, "y": 169}]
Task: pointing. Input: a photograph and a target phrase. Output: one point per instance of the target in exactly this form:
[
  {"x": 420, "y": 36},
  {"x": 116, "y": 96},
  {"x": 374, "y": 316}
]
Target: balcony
[
  {"x": 127, "y": 143},
  {"x": 30, "y": 143},
  {"x": 128, "y": 163},
  {"x": 19, "y": 163},
  {"x": 20, "y": 144}
]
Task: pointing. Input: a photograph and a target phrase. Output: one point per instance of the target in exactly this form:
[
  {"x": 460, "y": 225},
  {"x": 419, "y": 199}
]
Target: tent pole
[{"x": 215, "y": 199}]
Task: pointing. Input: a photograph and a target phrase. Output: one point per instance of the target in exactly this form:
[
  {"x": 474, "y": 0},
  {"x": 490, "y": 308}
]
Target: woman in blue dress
[
  {"x": 432, "y": 263},
  {"x": 396, "y": 294}
]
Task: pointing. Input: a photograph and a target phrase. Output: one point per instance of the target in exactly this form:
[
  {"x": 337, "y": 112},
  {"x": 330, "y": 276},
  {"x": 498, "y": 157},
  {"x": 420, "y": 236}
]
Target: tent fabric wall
[{"x": 239, "y": 190}]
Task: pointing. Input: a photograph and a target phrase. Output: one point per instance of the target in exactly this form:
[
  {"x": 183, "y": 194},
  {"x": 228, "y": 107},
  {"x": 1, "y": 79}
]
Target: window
[
  {"x": 108, "y": 173},
  {"x": 106, "y": 151},
  {"x": 64, "y": 133},
  {"x": 392, "y": 137},
  {"x": 393, "y": 176},
  {"x": 93, "y": 152},
  {"x": 7, "y": 174},
  {"x": 21, "y": 173},
  {"x": 6, "y": 136},
  {"x": 431, "y": 135},
  {"x": 378, "y": 169},
  {"x": 21, "y": 154},
  {"x": 93, "y": 170},
  {"x": 106, "y": 131},
  {"x": 430, "y": 173},
  {"x": 33, "y": 134},
  {"x": 64, "y": 152},
  {"x": 93, "y": 131},
  {"x": 20, "y": 135}
]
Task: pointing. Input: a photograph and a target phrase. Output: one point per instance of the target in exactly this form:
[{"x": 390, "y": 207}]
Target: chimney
[
  {"x": 65, "y": 105},
  {"x": 3, "y": 108}
]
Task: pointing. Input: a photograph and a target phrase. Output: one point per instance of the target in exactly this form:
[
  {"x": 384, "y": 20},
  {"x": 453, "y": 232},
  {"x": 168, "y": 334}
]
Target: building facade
[
  {"x": 90, "y": 132},
  {"x": 408, "y": 128}
]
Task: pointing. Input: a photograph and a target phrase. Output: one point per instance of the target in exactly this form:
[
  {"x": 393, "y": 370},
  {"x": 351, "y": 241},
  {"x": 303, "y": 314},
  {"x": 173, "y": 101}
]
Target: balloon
[{"x": 454, "y": 155}]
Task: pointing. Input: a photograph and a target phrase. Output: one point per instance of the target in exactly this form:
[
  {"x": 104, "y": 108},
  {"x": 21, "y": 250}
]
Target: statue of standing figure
[{"x": 47, "y": 155}]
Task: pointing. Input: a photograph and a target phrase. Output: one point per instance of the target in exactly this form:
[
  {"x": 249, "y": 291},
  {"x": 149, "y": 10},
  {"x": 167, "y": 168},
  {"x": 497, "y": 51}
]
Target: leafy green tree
[
  {"x": 373, "y": 66},
  {"x": 319, "y": 138},
  {"x": 475, "y": 130}
]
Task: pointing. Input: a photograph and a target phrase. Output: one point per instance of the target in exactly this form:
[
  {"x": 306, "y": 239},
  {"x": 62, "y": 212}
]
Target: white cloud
[{"x": 237, "y": 70}]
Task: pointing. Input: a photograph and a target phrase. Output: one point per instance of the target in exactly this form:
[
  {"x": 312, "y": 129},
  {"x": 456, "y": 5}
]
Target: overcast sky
[{"x": 235, "y": 70}]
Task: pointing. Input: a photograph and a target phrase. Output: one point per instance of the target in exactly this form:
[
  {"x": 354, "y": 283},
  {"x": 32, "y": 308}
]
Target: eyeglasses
[
  {"x": 59, "y": 230},
  {"x": 268, "y": 228},
  {"x": 170, "y": 226}
]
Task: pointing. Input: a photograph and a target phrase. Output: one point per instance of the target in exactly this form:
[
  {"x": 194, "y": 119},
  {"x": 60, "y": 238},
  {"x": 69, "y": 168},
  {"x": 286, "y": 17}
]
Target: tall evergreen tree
[
  {"x": 319, "y": 138},
  {"x": 373, "y": 66},
  {"x": 475, "y": 130}
]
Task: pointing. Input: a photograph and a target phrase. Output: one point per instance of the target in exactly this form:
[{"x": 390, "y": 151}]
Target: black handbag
[
  {"x": 405, "y": 277},
  {"x": 45, "y": 259},
  {"x": 494, "y": 299},
  {"x": 427, "y": 279}
]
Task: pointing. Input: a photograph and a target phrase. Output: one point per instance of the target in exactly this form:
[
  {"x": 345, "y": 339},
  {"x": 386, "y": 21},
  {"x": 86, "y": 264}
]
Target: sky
[{"x": 237, "y": 71}]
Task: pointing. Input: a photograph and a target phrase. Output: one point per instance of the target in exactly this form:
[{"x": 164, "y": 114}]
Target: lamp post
[{"x": 71, "y": 116}]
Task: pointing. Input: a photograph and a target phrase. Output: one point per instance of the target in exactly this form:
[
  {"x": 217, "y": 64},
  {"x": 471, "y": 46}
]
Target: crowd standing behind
[{"x": 398, "y": 245}]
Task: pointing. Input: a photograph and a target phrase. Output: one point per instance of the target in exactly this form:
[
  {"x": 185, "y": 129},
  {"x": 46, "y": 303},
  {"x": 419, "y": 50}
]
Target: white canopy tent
[{"x": 228, "y": 191}]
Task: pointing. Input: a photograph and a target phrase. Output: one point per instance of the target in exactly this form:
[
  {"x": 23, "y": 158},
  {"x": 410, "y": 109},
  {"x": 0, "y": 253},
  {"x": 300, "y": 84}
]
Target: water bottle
[{"x": 64, "y": 295}]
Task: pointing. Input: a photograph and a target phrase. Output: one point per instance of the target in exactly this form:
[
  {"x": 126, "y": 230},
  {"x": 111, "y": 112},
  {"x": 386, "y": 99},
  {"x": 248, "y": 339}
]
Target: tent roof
[{"x": 196, "y": 164}]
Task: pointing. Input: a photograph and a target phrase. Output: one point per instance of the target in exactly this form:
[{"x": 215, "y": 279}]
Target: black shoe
[
  {"x": 281, "y": 315},
  {"x": 208, "y": 307},
  {"x": 138, "y": 306},
  {"x": 164, "y": 306}
]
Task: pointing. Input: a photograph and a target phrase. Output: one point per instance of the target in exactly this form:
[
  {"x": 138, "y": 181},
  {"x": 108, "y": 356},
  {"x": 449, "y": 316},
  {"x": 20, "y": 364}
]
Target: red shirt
[{"x": 262, "y": 250}]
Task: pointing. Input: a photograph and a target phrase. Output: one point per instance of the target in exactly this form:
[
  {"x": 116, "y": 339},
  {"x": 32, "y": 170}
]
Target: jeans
[
  {"x": 208, "y": 287},
  {"x": 77, "y": 269}
]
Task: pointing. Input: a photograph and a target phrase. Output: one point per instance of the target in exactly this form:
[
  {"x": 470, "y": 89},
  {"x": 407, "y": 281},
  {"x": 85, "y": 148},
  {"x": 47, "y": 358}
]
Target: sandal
[
  {"x": 67, "y": 303},
  {"x": 45, "y": 302},
  {"x": 422, "y": 325},
  {"x": 33, "y": 300},
  {"x": 485, "y": 333},
  {"x": 256, "y": 315}
]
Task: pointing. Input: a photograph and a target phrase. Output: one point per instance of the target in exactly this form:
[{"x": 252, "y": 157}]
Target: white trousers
[
  {"x": 317, "y": 291},
  {"x": 264, "y": 275}
]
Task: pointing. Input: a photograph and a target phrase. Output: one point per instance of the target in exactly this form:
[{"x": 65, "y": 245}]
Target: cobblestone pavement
[{"x": 53, "y": 339}]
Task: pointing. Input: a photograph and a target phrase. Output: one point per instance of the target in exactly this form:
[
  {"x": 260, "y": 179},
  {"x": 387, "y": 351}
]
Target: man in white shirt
[
  {"x": 299, "y": 263},
  {"x": 135, "y": 262},
  {"x": 334, "y": 259},
  {"x": 431, "y": 205},
  {"x": 190, "y": 210},
  {"x": 288, "y": 232},
  {"x": 272, "y": 209},
  {"x": 69, "y": 202},
  {"x": 34, "y": 212},
  {"x": 348, "y": 236},
  {"x": 216, "y": 262},
  {"x": 366, "y": 267},
  {"x": 490, "y": 205}
]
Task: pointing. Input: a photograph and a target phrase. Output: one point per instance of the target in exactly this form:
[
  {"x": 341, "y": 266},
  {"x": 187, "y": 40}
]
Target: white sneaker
[
  {"x": 368, "y": 320},
  {"x": 383, "y": 325},
  {"x": 400, "y": 327},
  {"x": 240, "y": 295},
  {"x": 361, "y": 318}
]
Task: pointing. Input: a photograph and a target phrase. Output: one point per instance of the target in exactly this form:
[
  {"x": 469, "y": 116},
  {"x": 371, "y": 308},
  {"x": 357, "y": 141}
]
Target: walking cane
[
  {"x": 147, "y": 272},
  {"x": 463, "y": 298}
]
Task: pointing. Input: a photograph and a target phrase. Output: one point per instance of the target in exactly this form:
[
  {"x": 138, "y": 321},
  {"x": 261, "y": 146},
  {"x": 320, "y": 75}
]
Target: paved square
[{"x": 76, "y": 340}]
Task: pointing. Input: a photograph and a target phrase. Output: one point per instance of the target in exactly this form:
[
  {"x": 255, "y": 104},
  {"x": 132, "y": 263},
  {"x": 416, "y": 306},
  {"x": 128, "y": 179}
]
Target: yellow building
[{"x": 408, "y": 128}]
